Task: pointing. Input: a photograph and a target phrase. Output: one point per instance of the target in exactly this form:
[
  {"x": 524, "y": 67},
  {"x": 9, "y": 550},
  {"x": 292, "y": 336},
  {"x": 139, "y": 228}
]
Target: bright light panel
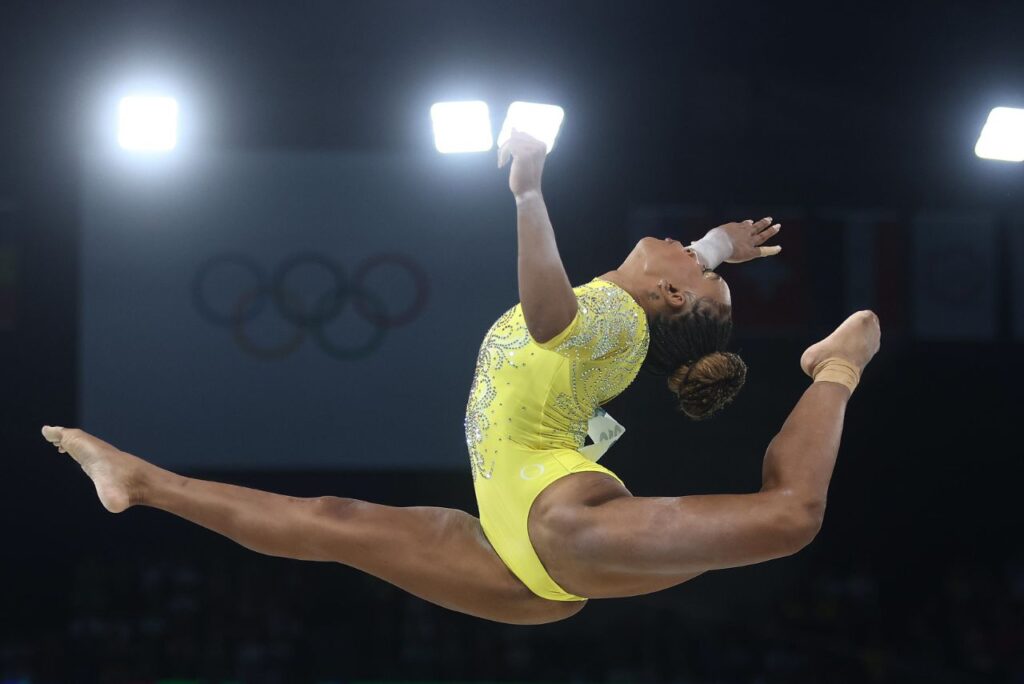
[
  {"x": 148, "y": 124},
  {"x": 542, "y": 121},
  {"x": 462, "y": 126},
  {"x": 1003, "y": 135}
]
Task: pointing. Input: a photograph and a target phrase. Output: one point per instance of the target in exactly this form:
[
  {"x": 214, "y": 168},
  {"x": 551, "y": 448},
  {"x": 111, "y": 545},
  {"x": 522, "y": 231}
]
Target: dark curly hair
[{"x": 689, "y": 348}]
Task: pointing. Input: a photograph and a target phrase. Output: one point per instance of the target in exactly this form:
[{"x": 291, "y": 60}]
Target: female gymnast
[{"x": 556, "y": 528}]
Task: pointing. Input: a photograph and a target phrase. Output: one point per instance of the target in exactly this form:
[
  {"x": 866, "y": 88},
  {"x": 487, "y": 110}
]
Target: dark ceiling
[{"x": 846, "y": 103}]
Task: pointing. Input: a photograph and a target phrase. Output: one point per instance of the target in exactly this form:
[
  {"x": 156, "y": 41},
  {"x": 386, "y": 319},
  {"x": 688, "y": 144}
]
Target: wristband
[{"x": 713, "y": 248}]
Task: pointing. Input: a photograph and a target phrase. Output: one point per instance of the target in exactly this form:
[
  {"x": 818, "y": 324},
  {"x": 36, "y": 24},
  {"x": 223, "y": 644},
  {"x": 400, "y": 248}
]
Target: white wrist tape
[{"x": 713, "y": 248}]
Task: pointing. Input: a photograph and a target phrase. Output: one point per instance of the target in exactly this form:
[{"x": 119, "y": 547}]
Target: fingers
[
  {"x": 768, "y": 233},
  {"x": 758, "y": 226},
  {"x": 519, "y": 142},
  {"x": 505, "y": 151},
  {"x": 54, "y": 435},
  {"x": 523, "y": 136}
]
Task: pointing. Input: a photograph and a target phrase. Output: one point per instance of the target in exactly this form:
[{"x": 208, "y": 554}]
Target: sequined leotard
[{"x": 528, "y": 411}]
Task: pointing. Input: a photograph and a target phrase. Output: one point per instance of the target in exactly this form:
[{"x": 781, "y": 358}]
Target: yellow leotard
[{"x": 528, "y": 410}]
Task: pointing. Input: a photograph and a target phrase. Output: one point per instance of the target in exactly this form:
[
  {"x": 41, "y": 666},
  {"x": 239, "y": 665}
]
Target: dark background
[{"x": 917, "y": 574}]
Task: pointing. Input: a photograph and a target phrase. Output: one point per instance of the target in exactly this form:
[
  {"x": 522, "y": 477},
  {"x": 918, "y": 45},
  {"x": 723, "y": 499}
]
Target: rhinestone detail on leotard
[
  {"x": 605, "y": 350},
  {"x": 503, "y": 338},
  {"x": 606, "y": 327}
]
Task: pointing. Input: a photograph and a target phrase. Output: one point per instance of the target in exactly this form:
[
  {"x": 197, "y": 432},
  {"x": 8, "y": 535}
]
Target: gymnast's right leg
[{"x": 438, "y": 554}]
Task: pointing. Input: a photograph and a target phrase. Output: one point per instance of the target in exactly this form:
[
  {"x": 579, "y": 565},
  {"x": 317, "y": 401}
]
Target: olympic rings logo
[{"x": 309, "y": 315}]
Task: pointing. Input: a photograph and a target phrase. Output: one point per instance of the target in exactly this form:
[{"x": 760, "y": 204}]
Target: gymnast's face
[{"x": 673, "y": 271}]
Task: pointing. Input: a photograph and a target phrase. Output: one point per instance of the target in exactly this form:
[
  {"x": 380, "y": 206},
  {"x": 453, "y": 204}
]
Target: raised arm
[{"x": 546, "y": 296}]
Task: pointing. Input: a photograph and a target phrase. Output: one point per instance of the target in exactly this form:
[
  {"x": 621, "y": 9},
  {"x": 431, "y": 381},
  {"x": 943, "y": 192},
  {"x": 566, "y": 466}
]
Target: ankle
[
  {"x": 147, "y": 483},
  {"x": 838, "y": 371}
]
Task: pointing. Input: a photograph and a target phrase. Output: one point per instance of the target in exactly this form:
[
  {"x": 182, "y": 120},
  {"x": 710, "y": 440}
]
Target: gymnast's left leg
[{"x": 438, "y": 554}]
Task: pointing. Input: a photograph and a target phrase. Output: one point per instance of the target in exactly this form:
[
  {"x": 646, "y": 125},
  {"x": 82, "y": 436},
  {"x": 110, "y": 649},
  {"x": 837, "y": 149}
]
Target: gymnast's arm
[{"x": 545, "y": 294}]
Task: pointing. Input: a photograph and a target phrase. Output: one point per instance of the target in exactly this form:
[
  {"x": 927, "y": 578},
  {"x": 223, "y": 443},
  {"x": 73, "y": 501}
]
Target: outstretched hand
[
  {"x": 528, "y": 155},
  {"x": 748, "y": 239}
]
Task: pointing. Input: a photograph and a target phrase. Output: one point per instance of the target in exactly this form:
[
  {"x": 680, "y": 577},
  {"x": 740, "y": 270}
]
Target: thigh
[
  {"x": 598, "y": 540},
  {"x": 505, "y": 500},
  {"x": 440, "y": 555},
  {"x": 554, "y": 528}
]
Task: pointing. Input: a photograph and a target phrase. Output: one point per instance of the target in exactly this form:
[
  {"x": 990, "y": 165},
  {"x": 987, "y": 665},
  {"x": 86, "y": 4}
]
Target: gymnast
[{"x": 555, "y": 528}]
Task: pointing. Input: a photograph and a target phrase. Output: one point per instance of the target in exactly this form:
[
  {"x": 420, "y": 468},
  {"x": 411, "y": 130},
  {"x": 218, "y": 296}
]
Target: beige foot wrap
[{"x": 837, "y": 370}]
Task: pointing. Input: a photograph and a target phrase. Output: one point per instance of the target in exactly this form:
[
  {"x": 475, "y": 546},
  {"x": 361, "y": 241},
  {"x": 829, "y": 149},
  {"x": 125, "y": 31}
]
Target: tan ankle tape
[{"x": 837, "y": 370}]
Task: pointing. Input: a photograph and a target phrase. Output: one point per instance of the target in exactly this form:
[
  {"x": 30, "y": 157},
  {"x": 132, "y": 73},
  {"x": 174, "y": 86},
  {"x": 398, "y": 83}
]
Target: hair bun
[{"x": 708, "y": 384}]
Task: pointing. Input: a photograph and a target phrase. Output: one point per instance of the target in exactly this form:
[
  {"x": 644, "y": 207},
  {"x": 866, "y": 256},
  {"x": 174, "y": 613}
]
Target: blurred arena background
[{"x": 305, "y": 139}]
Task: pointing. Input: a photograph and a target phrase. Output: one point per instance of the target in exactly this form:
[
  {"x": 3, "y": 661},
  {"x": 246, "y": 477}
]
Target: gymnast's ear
[{"x": 676, "y": 299}]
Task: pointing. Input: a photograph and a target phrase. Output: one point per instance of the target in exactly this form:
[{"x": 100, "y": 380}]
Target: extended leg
[
  {"x": 625, "y": 545},
  {"x": 438, "y": 554}
]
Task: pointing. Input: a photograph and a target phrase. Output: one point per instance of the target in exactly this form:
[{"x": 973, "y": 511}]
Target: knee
[
  {"x": 333, "y": 506},
  {"x": 799, "y": 521},
  {"x": 332, "y": 518}
]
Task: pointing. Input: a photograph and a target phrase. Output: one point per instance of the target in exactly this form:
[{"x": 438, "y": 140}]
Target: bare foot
[
  {"x": 856, "y": 341},
  {"x": 117, "y": 475}
]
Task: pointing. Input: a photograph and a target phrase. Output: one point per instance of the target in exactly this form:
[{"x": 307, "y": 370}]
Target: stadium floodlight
[
  {"x": 1002, "y": 137},
  {"x": 462, "y": 126},
  {"x": 148, "y": 124},
  {"x": 542, "y": 121}
]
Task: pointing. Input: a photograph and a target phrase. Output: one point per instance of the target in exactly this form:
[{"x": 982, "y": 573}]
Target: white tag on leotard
[{"x": 603, "y": 430}]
